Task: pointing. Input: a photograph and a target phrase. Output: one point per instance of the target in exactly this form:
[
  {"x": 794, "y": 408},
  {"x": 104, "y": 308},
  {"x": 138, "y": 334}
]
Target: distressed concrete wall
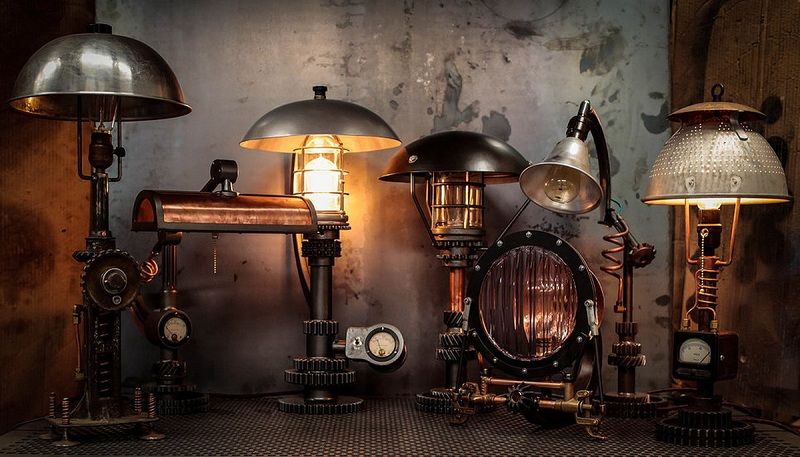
[{"x": 515, "y": 70}]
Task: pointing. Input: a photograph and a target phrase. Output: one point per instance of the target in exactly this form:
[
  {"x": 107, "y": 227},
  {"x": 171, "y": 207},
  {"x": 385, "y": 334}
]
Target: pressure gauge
[
  {"x": 705, "y": 356},
  {"x": 168, "y": 327},
  {"x": 175, "y": 329},
  {"x": 381, "y": 345},
  {"x": 695, "y": 351}
]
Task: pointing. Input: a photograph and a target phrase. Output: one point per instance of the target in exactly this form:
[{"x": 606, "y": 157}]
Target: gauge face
[
  {"x": 175, "y": 329},
  {"x": 382, "y": 344},
  {"x": 695, "y": 351}
]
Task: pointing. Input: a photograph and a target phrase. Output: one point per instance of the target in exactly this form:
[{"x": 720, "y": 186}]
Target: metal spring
[
  {"x": 105, "y": 360},
  {"x": 615, "y": 264},
  {"x": 148, "y": 270},
  {"x": 137, "y": 401},
  {"x": 51, "y": 405},
  {"x": 65, "y": 411},
  {"x": 151, "y": 405},
  {"x": 706, "y": 283}
]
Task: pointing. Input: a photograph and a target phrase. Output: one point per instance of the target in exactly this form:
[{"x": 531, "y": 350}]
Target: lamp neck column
[{"x": 101, "y": 156}]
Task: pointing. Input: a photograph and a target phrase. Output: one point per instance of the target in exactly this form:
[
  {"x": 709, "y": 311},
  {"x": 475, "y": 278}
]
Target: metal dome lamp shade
[
  {"x": 454, "y": 168},
  {"x": 715, "y": 158},
  {"x": 321, "y": 132},
  {"x": 105, "y": 80}
]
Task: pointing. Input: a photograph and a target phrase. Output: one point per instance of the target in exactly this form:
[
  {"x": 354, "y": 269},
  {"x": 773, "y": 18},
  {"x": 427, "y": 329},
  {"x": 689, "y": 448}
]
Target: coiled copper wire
[
  {"x": 148, "y": 270},
  {"x": 615, "y": 263}
]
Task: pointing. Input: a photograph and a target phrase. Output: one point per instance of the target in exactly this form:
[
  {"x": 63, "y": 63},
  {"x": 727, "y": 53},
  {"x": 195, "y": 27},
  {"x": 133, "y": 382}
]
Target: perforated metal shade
[
  {"x": 285, "y": 128},
  {"x": 456, "y": 151},
  {"x": 716, "y": 155},
  {"x": 87, "y": 68}
]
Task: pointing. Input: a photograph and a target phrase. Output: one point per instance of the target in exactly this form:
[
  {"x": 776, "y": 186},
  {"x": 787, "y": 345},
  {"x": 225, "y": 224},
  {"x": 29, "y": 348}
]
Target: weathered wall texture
[
  {"x": 43, "y": 218},
  {"x": 515, "y": 70}
]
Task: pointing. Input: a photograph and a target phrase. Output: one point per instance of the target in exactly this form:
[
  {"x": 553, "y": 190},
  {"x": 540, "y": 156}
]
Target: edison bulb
[
  {"x": 562, "y": 184},
  {"x": 709, "y": 203},
  {"x": 320, "y": 182}
]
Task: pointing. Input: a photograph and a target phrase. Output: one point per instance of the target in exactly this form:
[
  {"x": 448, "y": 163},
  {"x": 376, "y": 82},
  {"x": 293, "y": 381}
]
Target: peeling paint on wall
[{"x": 450, "y": 115}]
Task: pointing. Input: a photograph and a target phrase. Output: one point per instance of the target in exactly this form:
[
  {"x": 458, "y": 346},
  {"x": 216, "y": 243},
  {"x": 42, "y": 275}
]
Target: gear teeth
[
  {"x": 454, "y": 354},
  {"x": 626, "y": 328},
  {"x": 633, "y": 408},
  {"x": 320, "y": 378},
  {"x": 320, "y": 327},
  {"x": 626, "y": 348},
  {"x": 453, "y": 318},
  {"x": 343, "y": 405},
  {"x": 322, "y": 248},
  {"x": 319, "y": 364},
  {"x": 429, "y": 403},
  {"x": 452, "y": 340},
  {"x": 736, "y": 434},
  {"x": 627, "y": 361},
  {"x": 102, "y": 299}
]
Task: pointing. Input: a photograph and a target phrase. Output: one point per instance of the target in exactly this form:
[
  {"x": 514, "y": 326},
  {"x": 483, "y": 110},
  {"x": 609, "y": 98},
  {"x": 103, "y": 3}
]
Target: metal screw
[
  {"x": 721, "y": 358},
  {"x": 137, "y": 401},
  {"x": 524, "y": 371},
  {"x": 581, "y": 268},
  {"x": 555, "y": 364},
  {"x": 579, "y": 339},
  {"x": 467, "y": 301},
  {"x": 477, "y": 268},
  {"x": 494, "y": 359},
  {"x": 528, "y": 234},
  {"x": 116, "y": 299},
  {"x": 412, "y": 159},
  {"x": 558, "y": 242},
  {"x": 474, "y": 334},
  {"x": 500, "y": 243}
]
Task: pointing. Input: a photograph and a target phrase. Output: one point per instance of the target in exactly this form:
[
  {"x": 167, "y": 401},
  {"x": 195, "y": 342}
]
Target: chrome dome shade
[
  {"x": 457, "y": 151},
  {"x": 285, "y": 128},
  {"x": 93, "y": 67}
]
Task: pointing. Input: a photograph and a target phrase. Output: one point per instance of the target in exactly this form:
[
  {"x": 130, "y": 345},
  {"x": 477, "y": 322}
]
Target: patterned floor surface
[{"x": 385, "y": 427}]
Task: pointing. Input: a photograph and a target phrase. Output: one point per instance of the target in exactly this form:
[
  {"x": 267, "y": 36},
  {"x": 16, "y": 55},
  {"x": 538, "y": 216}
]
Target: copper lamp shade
[
  {"x": 94, "y": 71},
  {"x": 716, "y": 155}
]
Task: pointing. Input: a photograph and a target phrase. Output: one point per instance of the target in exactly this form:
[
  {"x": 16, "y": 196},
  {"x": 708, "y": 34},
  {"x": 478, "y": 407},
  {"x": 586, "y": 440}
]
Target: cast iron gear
[
  {"x": 737, "y": 433},
  {"x": 431, "y": 402},
  {"x": 454, "y": 354},
  {"x": 447, "y": 244},
  {"x": 320, "y": 364},
  {"x": 521, "y": 398},
  {"x": 640, "y": 406},
  {"x": 626, "y": 328},
  {"x": 452, "y": 339},
  {"x": 169, "y": 369},
  {"x": 626, "y": 348},
  {"x": 627, "y": 361},
  {"x": 705, "y": 419},
  {"x": 320, "y": 378},
  {"x": 453, "y": 318},
  {"x": 322, "y": 248},
  {"x": 320, "y": 327},
  {"x": 332, "y": 227},
  {"x": 342, "y": 405},
  {"x": 180, "y": 403},
  {"x": 110, "y": 279}
]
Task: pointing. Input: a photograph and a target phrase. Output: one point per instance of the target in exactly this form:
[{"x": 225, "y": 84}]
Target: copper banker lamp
[
  {"x": 321, "y": 132},
  {"x": 715, "y": 158}
]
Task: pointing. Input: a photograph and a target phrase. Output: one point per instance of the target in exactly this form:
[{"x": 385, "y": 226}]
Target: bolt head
[
  {"x": 581, "y": 268},
  {"x": 579, "y": 339},
  {"x": 559, "y": 242},
  {"x": 721, "y": 358},
  {"x": 528, "y": 234},
  {"x": 524, "y": 371},
  {"x": 412, "y": 159},
  {"x": 555, "y": 364},
  {"x": 477, "y": 268},
  {"x": 499, "y": 243},
  {"x": 494, "y": 359}
]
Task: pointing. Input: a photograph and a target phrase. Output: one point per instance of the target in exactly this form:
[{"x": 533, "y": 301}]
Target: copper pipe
[
  {"x": 457, "y": 289},
  {"x": 565, "y": 386}
]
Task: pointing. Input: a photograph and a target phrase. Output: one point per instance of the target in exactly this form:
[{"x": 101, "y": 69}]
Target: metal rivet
[
  {"x": 412, "y": 159},
  {"x": 494, "y": 359},
  {"x": 721, "y": 358},
  {"x": 581, "y": 268},
  {"x": 558, "y": 242},
  {"x": 477, "y": 268},
  {"x": 580, "y": 339},
  {"x": 474, "y": 334},
  {"x": 528, "y": 234},
  {"x": 555, "y": 364},
  {"x": 467, "y": 301},
  {"x": 524, "y": 371},
  {"x": 500, "y": 243}
]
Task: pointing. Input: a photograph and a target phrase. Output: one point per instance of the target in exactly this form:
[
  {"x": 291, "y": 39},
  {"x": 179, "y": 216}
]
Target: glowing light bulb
[
  {"x": 709, "y": 203},
  {"x": 320, "y": 182},
  {"x": 563, "y": 184}
]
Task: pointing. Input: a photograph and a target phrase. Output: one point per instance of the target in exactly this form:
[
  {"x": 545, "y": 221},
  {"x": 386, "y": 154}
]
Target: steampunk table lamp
[
  {"x": 714, "y": 159},
  {"x": 454, "y": 168},
  {"x": 103, "y": 79},
  {"x": 321, "y": 132},
  {"x": 563, "y": 183}
]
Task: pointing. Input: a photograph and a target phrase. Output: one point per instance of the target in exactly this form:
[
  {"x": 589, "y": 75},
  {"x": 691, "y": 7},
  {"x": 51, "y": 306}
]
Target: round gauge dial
[
  {"x": 382, "y": 344},
  {"x": 695, "y": 351},
  {"x": 175, "y": 330}
]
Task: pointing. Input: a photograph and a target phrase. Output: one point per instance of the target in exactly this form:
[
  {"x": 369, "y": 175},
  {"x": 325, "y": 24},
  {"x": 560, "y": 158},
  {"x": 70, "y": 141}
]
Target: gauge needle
[{"x": 704, "y": 358}]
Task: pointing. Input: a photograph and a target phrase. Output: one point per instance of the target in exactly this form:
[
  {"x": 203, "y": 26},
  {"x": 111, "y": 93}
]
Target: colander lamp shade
[{"x": 714, "y": 158}]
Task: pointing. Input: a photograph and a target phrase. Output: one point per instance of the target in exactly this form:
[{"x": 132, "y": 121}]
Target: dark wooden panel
[
  {"x": 43, "y": 218},
  {"x": 752, "y": 50}
]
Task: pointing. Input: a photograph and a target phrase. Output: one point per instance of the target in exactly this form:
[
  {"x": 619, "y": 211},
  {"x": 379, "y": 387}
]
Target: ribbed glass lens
[
  {"x": 457, "y": 202},
  {"x": 528, "y": 303}
]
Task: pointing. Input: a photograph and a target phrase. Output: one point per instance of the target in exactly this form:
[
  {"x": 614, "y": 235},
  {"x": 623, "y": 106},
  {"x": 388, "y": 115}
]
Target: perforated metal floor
[{"x": 385, "y": 427}]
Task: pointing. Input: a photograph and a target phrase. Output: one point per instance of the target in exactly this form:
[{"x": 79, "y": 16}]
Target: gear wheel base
[
  {"x": 342, "y": 405},
  {"x": 736, "y": 433},
  {"x": 640, "y": 406}
]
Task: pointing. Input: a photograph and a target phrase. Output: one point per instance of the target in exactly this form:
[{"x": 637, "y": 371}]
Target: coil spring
[
  {"x": 137, "y": 401},
  {"x": 151, "y": 405},
  {"x": 615, "y": 263},
  {"x": 706, "y": 282},
  {"x": 148, "y": 270},
  {"x": 105, "y": 358}
]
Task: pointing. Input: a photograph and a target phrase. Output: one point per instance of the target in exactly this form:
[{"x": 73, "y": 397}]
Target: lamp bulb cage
[
  {"x": 318, "y": 174},
  {"x": 455, "y": 202}
]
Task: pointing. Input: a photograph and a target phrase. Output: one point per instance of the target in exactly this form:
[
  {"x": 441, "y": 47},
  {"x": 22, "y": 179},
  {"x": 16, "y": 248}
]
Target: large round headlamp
[{"x": 529, "y": 293}]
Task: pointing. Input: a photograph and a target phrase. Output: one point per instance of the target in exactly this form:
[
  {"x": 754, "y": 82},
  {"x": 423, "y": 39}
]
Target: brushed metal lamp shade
[
  {"x": 716, "y": 155},
  {"x": 87, "y": 69},
  {"x": 285, "y": 128},
  {"x": 456, "y": 151}
]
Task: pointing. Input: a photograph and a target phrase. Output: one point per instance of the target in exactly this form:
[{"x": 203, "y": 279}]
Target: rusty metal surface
[{"x": 211, "y": 212}]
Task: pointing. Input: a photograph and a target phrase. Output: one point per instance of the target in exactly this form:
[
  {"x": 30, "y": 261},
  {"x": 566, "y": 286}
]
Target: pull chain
[{"x": 214, "y": 238}]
